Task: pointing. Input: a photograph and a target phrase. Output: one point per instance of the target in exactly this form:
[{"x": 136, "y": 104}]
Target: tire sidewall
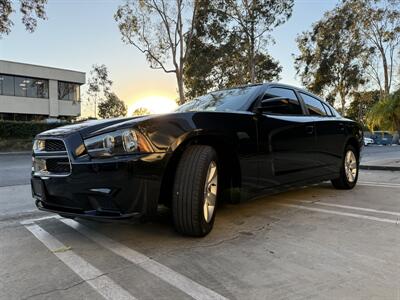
[
  {"x": 348, "y": 183},
  {"x": 207, "y": 226}
]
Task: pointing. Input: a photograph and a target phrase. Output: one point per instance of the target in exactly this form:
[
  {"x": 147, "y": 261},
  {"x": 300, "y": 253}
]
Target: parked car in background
[
  {"x": 383, "y": 138},
  {"x": 368, "y": 141},
  {"x": 231, "y": 144}
]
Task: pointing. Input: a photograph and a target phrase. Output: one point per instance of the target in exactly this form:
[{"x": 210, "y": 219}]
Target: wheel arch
[
  {"x": 353, "y": 142},
  {"x": 227, "y": 158},
  {"x": 354, "y": 136}
]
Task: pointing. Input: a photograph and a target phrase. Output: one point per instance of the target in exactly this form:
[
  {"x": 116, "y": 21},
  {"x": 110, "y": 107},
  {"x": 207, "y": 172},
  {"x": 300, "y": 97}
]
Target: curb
[
  {"x": 379, "y": 168},
  {"x": 16, "y": 153}
]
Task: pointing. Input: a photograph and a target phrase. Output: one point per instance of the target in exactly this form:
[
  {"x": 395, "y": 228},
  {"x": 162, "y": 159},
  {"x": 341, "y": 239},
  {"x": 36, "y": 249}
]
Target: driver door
[{"x": 287, "y": 139}]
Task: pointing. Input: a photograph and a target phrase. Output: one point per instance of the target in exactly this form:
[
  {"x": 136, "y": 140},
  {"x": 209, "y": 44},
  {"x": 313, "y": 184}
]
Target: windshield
[{"x": 224, "y": 100}]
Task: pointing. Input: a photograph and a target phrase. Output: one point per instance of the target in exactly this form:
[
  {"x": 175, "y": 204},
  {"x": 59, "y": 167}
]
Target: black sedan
[{"x": 231, "y": 145}]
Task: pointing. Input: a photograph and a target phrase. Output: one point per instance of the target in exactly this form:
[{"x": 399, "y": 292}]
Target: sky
[{"x": 78, "y": 34}]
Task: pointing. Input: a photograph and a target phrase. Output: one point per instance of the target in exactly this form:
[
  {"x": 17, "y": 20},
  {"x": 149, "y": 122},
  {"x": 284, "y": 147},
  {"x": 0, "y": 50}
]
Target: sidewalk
[
  {"x": 387, "y": 164},
  {"x": 375, "y": 157}
]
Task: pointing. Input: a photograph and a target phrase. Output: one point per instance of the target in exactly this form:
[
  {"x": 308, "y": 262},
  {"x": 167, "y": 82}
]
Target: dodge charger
[{"x": 228, "y": 145}]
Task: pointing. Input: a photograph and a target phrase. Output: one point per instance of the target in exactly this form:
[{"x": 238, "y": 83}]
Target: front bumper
[{"x": 112, "y": 188}]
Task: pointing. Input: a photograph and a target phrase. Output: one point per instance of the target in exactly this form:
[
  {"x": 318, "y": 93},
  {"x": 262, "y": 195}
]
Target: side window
[
  {"x": 288, "y": 106},
  {"x": 327, "y": 109},
  {"x": 334, "y": 111},
  {"x": 313, "y": 105}
]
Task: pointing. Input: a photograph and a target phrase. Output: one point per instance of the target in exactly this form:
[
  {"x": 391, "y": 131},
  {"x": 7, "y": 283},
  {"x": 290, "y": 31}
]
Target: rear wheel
[
  {"x": 195, "y": 191},
  {"x": 348, "y": 171}
]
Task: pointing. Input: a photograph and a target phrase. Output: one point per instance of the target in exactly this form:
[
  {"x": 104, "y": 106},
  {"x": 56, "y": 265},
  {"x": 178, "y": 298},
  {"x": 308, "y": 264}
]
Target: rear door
[
  {"x": 330, "y": 133},
  {"x": 286, "y": 138}
]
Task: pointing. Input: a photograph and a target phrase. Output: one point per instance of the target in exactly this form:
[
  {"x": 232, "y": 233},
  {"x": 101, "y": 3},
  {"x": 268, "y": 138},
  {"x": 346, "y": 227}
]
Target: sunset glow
[{"x": 155, "y": 104}]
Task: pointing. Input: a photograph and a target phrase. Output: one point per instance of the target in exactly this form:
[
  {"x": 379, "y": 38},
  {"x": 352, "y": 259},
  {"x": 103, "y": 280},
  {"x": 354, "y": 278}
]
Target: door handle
[{"x": 310, "y": 129}]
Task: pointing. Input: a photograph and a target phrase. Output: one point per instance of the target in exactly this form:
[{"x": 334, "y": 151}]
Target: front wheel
[
  {"x": 348, "y": 171},
  {"x": 195, "y": 191}
]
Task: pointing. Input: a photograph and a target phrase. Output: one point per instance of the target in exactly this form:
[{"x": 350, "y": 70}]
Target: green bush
[{"x": 23, "y": 130}]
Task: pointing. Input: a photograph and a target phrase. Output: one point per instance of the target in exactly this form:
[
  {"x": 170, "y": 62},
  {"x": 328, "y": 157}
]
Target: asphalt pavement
[
  {"x": 310, "y": 243},
  {"x": 381, "y": 158},
  {"x": 15, "y": 169}
]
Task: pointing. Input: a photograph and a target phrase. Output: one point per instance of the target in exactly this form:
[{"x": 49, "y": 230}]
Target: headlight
[
  {"x": 117, "y": 143},
  {"x": 129, "y": 140},
  {"x": 39, "y": 145}
]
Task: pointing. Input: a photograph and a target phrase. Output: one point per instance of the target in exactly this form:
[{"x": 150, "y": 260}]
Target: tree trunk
[
  {"x": 385, "y": 74},
  {"x": 252, "y": 64},
  {"x": 386, "y": 87},
  {"x": 252, "y": 54},
  {"x": 343, "y": 103},
  {"x": 179, "y": 80}
]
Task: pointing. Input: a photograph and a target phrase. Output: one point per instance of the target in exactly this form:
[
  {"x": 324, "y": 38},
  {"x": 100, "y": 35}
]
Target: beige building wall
[{"x": 52, "y": 107}]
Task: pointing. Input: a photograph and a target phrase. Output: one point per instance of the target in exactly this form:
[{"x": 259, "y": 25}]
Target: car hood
[{"x": 93, "y": 127}]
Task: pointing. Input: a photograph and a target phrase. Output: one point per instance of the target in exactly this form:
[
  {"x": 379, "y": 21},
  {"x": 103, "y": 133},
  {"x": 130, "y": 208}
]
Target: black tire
[
  {"x": 343, "y": 182},
  {"x": 188, "y": 198}
]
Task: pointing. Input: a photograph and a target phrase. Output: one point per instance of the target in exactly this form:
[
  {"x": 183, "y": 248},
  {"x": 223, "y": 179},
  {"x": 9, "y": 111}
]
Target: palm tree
[{"x": 385, "y": 114}]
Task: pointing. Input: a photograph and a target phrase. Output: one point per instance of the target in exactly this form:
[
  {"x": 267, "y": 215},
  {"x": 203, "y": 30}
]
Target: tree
[
  {"x": 31, "y": 10},
  {"x": 162, "y": 30},
  {"x": 385, "y": 114},
  {"x": 254, "y": 20},
  {"x": 229, "y": 44},
  {"x": 141, "y": 111},
  {"x": 361, "y": 105},
  {"x": 112, "y": 107},
  {"x": 99, "y": 85},
  {"x": 330, "y": 61},
  {"x": 379, "y": 23}
]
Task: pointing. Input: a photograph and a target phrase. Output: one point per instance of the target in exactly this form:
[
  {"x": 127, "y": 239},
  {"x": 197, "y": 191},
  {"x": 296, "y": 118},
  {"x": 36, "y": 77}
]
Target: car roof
[
  {"x": 287, "y": 86},
  {"x": 275, "y": 84},
  {"x": 294, "y": 88}
]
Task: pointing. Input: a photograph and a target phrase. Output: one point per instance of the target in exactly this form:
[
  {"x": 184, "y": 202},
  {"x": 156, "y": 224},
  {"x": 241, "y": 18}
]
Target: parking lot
[{"x": 315, "y": 242}]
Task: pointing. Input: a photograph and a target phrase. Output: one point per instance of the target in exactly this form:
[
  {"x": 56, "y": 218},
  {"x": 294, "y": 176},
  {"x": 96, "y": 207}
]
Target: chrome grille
[
  {"x": 57, "y": 165},
  {"x": 54, "y": 145},
  {"x": 52, "y": 160}
]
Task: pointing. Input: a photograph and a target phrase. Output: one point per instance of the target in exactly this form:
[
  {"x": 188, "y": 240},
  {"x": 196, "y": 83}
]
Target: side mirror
[{"x": 264, "y": 103}]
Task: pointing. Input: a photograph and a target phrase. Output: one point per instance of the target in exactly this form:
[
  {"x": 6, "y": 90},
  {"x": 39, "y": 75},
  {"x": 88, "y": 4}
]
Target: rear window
[{"x": 314, "y": 106}]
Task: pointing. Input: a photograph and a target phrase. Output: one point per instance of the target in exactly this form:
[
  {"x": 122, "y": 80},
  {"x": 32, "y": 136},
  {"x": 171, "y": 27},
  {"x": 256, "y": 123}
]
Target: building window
[
  {"x": 6, "y": 85},
  {"x": 20, "y": 86},
  {"x": 24, "y": 86},
  {"x": 68, "y": 91},
  {"x": 42, "y": 88}
]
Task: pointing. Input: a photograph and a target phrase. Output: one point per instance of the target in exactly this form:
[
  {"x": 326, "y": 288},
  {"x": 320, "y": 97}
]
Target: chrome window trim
[{"x": 42, "y": 154}]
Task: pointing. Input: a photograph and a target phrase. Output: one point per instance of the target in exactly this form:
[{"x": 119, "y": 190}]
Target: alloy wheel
[
  {"x": 210, "y": 191},
  {"x": 350, "y": 166}
]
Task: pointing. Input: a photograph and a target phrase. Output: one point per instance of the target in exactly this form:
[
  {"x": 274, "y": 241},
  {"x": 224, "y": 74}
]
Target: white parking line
[
  {"x": 91, "y": 275},
  {"x": 31, "y": 221},
  {"x": 349, "y": 207},
  {"x": 379, "y": 184},
  {"x": 334, "y": 212},
  {"x": 175, "y": 279}
]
